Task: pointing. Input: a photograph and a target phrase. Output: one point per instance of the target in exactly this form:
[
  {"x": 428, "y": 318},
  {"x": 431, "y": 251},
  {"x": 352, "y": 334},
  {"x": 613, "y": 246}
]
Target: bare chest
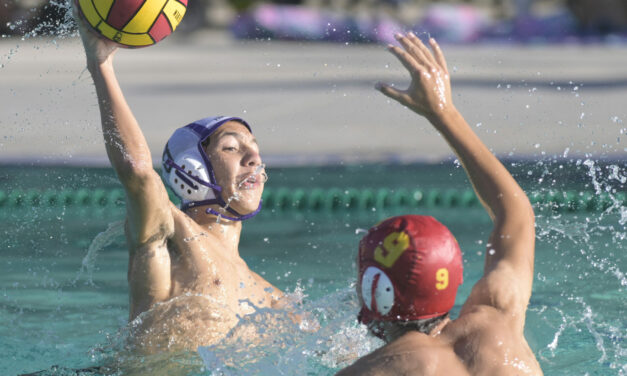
[{"x": 202, "y": 266}]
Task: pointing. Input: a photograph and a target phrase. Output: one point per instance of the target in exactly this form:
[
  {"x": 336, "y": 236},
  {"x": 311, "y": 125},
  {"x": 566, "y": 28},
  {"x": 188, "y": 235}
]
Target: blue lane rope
[{"x": 328, "y": 199}]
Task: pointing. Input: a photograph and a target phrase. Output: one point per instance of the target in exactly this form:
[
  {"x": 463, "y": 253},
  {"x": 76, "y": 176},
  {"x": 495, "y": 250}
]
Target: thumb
[{"x": 390, "y": 92}]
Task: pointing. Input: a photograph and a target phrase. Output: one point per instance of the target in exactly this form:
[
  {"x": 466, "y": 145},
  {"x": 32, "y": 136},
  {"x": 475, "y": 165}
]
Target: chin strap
[
  {"x": 239, "y": 217},
  {"x": 219, "y": 201}
]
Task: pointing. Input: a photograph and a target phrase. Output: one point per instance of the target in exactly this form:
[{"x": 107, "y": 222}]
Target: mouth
[{"x": 252, "y": 180}]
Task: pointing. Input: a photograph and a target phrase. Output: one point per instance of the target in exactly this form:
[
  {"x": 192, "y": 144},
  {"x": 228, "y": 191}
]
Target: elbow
[
  {"x": 527, "y": 210},
  {"x": 136, "y": 177},
  {"x": 516, "y": 207}
]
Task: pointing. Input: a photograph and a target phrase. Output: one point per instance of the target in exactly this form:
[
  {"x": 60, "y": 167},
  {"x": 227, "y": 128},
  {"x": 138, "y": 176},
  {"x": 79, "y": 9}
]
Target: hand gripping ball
[{"x": 133, "y": 23}]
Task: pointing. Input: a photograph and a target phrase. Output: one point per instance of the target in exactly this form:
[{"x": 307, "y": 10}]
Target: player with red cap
[
  {"x": 409, "y": 267},
  {"x": 409, "y": 270}
]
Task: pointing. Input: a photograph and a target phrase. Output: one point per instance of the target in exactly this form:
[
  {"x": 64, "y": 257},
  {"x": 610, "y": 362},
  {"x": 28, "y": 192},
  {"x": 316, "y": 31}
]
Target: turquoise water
[{"x": 59, "y": 307}]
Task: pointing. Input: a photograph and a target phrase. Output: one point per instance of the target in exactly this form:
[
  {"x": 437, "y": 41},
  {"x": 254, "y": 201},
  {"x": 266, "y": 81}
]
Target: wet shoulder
[
  {"x": 412, "y": 354},
  {"x": 488, "y": 342}
]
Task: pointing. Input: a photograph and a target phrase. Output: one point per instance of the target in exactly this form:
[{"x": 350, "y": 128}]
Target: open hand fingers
[
  {"x": 409, "y": 62},
  {"x": 439, "y": 56},
  {"x": 422, "y": 48},
  {"x": 412, "y": 49}
]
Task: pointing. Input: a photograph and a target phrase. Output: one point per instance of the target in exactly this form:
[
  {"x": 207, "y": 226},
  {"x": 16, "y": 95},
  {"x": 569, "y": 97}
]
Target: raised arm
[
  {"x": 508, "y": 271},
  {"x": 149, "y": 217}
]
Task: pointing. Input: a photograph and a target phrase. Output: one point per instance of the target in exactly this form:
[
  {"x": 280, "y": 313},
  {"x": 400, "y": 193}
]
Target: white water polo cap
[{"x": 187, "y": 170}]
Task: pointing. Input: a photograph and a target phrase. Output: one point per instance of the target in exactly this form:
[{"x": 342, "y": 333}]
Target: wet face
[{"x": 234, "y": 155}]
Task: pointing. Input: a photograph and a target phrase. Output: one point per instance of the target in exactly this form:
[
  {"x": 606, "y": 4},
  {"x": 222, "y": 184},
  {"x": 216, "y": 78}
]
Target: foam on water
[
  {"x": 307, "y": 337},
  {"x": 327, "y": 338}
]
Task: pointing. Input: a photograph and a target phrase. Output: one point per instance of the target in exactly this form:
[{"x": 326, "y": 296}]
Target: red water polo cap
[{"x": 409, "y": 268}]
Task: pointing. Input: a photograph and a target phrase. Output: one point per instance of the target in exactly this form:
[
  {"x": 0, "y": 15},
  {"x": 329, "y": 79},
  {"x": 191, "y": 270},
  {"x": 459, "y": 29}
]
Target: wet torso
[
  {"x": 481, "y": 342},
  {"x": 210, "y": 288}
]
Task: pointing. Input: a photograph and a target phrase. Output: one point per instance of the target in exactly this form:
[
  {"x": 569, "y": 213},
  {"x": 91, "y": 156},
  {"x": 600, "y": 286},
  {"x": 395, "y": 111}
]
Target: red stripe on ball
[
  {"x": 161, "y": 28},
  {"x": 122, "y": 12},
  {"x": 184, "y": 2}
]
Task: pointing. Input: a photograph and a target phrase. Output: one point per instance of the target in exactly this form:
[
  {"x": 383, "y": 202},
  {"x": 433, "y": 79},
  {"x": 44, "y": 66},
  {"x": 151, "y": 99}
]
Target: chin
[{"x": 247, "y": 203}]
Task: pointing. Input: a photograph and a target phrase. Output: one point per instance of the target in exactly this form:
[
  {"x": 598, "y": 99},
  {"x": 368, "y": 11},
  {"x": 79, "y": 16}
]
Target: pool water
[{"x": 64, "y": 295}]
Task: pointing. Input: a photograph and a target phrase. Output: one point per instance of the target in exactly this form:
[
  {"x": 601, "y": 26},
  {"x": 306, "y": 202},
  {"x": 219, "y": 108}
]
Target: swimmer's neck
[
  {"x": 226, "y": 231},
  {"x": 438, "y": 328},
  {"x": 393, "y": 333}
]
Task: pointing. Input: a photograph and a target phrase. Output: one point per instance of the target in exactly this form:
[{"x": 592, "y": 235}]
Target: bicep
[
  {"x": 508, "y": 271},
  {"x": 512, "y": 240},
  {"x": 150, "y": 223},
  {"x": 148, "y": 276},
  {"x": 500, "y": 289}
]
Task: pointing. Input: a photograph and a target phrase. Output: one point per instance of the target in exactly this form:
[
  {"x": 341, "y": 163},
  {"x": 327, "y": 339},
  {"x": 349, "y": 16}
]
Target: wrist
[
  {"x": 99, "y": 68},
  {"x": 446, "y": 116}
]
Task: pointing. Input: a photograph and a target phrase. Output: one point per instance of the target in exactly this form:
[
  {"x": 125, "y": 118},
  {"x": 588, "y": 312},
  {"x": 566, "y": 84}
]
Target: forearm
[
  {"x": 125, "y": 143},
  {"x": 494, "y": 185},
  {"x": 508, "y": 270}
]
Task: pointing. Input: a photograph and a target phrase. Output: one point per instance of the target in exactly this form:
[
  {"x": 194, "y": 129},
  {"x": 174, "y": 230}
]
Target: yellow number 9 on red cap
[
  {"x": 441, "y": 276},
  {"x": 393, "y": 246}
]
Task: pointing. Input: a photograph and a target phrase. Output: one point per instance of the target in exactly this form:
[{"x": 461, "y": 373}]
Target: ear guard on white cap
[
  {"x": 183, "y": 184},
  {"x": 377, "y": 291}
]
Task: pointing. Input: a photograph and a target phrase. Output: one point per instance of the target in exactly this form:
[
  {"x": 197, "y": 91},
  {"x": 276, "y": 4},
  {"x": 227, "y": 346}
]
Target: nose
[{"x": 252, "y": 158}]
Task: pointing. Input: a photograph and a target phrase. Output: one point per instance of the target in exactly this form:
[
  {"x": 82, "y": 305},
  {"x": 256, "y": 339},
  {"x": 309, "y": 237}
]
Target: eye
[{"x": 229, "y": 148}]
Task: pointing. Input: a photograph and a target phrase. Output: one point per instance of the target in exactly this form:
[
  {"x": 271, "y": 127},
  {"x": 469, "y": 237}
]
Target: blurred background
[{"x": 367, "y": 20}]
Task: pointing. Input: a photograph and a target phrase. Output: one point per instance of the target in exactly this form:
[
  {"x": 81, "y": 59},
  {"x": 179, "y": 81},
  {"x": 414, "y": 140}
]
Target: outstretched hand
[
  {"x": 98, "y": 50},
  {"x": 429, "y": 92}
]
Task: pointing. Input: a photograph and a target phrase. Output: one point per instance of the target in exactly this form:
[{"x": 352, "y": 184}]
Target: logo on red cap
[{"x": 409, "y": 268}]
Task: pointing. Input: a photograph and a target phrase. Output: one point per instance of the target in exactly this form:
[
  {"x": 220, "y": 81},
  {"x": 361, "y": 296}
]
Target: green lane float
[{"x": 329, "y": 199}]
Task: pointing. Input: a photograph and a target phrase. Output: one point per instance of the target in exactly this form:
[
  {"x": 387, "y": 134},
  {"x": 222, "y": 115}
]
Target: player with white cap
[
  {"x": 409, "y": 267},
  {"x": 188, "y": 283}
]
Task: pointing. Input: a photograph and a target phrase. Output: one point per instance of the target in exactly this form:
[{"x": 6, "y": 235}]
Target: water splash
[
  {"x": 61, "y": 27},
  {"x": 285, "y": 347},
  {"x": 306, "y": 337},
  {"x": 102, "y": 240},
  {"x": 586, "y": 320}
]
